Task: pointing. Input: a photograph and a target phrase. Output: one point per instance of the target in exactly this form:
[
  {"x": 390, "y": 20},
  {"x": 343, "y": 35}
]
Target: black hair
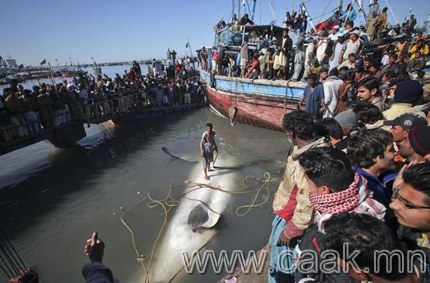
[
  {"x": 312, "y": 76},
  {"x": 328, "y": 127},
  {"x": 351, "y": 23},
  {"x": 327, "y": 166},
  {"x": 390, "y": 75},
  {"x": 349, "y": 75},
  {"x": 365, "y": 146},
  {"x": 367, "y": 113},
  {"x": 369, "y": 83},
  {"x": 300, "y": 123},
  {"x": 209, "y": 125},
  {"x": 334, "y": 72},
  {"x": 380, "y": 251},
  {"x": 418, "y": 176}
]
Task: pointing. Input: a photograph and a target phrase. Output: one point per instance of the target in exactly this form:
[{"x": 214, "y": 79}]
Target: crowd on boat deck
[
  {"x": 335, "y": 43},
  {"x": 25, "y": 112}
]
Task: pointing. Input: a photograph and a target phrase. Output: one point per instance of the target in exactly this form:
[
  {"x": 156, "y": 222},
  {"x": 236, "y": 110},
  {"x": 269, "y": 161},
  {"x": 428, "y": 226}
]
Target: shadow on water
[{"x": 71, "y": 170}]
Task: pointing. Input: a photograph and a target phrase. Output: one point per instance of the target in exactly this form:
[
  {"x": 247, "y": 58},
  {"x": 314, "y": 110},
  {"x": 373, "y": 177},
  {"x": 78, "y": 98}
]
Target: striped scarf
[{"x": 356, "y": 198}]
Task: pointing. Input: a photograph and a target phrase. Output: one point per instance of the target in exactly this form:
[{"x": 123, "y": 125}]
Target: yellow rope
[{"x": 169, "y": 201}]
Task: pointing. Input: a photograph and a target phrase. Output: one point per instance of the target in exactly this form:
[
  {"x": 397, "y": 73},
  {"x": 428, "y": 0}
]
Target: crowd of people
[
  {"x": 358, "y": 177},
  {"x": 25, "y": 112},
  {"x": 373, "y": 48},
  {"x": 352, "y": 186}
]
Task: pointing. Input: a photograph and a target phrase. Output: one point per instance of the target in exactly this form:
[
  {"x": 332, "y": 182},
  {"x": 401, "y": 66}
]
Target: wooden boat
[{"x": 259, "y": 102}]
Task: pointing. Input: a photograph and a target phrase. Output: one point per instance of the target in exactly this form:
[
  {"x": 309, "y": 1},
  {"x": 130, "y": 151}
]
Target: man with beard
[
  {"x": 415, "y": 147},
  {"x": 282, "y": 57}
]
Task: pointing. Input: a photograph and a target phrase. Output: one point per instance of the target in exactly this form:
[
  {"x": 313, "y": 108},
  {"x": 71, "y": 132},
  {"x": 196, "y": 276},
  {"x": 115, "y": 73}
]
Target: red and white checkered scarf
[{"x": 355, "y": 199}]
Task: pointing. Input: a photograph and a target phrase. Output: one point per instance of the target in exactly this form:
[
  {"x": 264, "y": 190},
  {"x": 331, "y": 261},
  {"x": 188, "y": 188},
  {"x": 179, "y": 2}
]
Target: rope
[
  {"x": 169, "y": 201},
  {"x": 325, "y": 10},
  {"x": 216, "y": 156}
]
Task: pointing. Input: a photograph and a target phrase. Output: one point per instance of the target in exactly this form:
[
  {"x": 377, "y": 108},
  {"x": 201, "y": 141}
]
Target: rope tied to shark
[{"x": 169, "y": 201}]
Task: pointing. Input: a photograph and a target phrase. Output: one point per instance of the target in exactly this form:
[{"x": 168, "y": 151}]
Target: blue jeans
[{"x": 281, "y": 262}]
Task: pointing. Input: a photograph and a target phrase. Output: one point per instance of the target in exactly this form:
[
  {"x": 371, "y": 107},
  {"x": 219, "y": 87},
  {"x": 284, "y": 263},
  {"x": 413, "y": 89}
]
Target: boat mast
[
  {"x": 360, "y": 8},
  {"x": 232, "y": 8},
  {"x": 253, "y": 10},
  {"x": 303, "y": 8},
  {"x": 340, "y": 6},
  {"x": 272, "y": 9}
]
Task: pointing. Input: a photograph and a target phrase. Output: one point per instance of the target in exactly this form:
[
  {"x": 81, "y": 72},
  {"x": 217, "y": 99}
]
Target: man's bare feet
[{"x": 207, "y": 178}]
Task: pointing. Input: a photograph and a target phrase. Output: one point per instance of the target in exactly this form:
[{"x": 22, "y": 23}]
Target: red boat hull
[{"x": 256, "y": 111}]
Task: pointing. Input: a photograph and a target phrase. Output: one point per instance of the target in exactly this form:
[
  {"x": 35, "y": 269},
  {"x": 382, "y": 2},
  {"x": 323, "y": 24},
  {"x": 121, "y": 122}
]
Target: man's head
[
  {"x": 312, "y": 79},
  {"x": 330, "y": 129},
  {"x": 367, "y": 237},
  {"x": 411, "y": 198},
  {"x": 416, "y": 143},
  {"x": 372, "y": 149},
  {"x": 347, "y": 120},
  {"x": 209, "y": 126},
  {"x": 298, "y": 125},
  {"x": 367, "y": 88},
  {"x": 408, "y": 91},
  {"x": 323, "y": 73},
  {"x": 351, "y": 57},
  {"x": 392, "y": 58},
  {"x": 367, "y": 113},
  {"x": 401, "y": 126},
  {"x": 327, "y": 170}
]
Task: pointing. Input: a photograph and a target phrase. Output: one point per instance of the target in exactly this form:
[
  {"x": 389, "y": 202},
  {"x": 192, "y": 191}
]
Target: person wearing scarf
[
  {"x": 334, "y": 189},
  {"x": 291, "y": 204}
]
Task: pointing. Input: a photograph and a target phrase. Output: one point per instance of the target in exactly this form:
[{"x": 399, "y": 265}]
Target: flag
[
  {"x": 187, "y": 45},
  {"x": 43, "y": 62}
]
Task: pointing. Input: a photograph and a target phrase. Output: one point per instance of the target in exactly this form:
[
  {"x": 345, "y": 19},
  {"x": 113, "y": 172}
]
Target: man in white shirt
[{"x": 331, "y": 93}]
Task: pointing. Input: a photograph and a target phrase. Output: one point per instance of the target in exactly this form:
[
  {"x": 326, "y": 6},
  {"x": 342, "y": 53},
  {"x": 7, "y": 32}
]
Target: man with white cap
[
  {"x": 353, "y": 45},
  {"x": 334, "y": 33},
  {"x": 322, "y": 45}
]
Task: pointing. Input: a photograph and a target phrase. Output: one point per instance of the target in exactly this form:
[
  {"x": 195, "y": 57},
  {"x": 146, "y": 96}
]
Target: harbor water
[{"x": 51, "y": 200}]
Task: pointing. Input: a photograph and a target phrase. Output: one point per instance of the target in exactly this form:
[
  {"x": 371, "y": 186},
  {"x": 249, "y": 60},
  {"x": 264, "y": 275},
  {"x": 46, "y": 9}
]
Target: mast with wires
[{"x": 272, "y": 9}]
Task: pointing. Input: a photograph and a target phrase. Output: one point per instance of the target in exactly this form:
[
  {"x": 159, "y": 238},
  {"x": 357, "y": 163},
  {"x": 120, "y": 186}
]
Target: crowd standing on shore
[{"x": 26, "y": 112}]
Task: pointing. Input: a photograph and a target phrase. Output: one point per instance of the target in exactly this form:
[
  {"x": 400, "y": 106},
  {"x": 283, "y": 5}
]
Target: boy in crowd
[
  {"x": 363, "y": 233},
  {"x": 334, "y": 189},
  {"x": 372, "y": 154}
]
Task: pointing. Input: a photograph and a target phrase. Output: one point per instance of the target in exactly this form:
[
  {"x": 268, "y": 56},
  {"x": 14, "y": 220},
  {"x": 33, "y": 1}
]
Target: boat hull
[{"x": 260, "y": 103}]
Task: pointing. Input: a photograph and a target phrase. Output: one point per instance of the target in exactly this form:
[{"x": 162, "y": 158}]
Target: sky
[{"x": 63, "y": 31}]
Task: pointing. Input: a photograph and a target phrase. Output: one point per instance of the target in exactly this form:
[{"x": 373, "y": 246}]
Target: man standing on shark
[{"x": 207, "y": 148}]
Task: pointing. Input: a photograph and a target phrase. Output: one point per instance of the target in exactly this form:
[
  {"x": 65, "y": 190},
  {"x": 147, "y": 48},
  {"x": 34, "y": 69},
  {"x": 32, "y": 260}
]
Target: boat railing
[
  {"x": 22, "y": 128},
  {"x": 100, "y": 110},
  {"x": 39, "y": 122}
]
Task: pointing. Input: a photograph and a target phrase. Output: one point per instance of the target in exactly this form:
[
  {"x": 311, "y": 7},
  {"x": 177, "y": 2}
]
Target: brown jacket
[{"x": 294, "y": 174}]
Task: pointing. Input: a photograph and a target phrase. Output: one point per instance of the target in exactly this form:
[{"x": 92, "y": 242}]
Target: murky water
[{"x": 51, "y": 200}]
